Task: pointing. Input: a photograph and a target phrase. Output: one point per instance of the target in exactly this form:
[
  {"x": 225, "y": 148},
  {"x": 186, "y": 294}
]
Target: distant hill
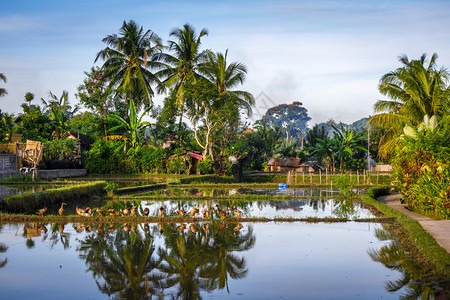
[{"x": 358, "y": 125}]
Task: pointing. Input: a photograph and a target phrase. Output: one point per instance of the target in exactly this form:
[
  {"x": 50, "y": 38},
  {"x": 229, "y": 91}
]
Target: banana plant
[{"x": 134, "y": 126}]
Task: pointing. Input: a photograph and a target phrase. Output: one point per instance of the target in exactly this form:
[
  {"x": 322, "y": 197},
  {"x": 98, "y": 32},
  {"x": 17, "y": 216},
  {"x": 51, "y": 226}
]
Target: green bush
[
  {"x": 107, "y": 157},
  {"x": 345, "y": 183},
  {"x": 379, "y": 191},
  {"x": 150, "y": 159},
  {"x": 59, "y": 149},
  {"x": 204, "y": 166},
  {"x": 177, "y": 165},
  {"x": 111, "y": 188}
]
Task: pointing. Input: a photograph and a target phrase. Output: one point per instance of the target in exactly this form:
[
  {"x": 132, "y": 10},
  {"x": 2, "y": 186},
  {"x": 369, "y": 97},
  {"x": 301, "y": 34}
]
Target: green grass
[
  {"x": 20, "y": 178},
  {"x": 29, "y": 203},
  {"x": 415, "y": 235}
]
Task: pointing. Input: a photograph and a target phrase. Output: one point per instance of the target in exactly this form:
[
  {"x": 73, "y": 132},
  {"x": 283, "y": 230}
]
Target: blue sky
[{"x": 328, "y": 54}]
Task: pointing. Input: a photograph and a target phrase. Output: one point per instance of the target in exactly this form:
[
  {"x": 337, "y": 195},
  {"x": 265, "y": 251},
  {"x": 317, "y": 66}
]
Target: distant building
[{"x": 287, "y": 164}]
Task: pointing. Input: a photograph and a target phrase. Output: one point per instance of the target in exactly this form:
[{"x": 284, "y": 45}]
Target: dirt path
[{"x": 439, "y": 229}]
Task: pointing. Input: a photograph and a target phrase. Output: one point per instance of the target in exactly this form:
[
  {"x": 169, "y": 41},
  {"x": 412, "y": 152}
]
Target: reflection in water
[
  {"x": 295, "y": 208},
  {"x": 417, "y": 281},
  {"x": 3, "y": 248},
  {"x": 218, "y": 192},
  {"x": 122, "y": 262},
  {"x": 126, "y": 263},
  {"x": 209, "y": 259}
]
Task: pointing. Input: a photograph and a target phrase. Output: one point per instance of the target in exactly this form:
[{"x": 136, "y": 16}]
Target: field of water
[{"x": 202, "y": 258}]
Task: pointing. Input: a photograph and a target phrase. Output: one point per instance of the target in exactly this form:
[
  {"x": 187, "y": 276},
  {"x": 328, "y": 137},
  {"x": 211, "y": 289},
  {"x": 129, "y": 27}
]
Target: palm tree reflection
[
  {"x": 127, "y": 264},
  {"x": 204, "y": 260},
  {"x": 417, "y": 280},
  {"x": 123, "y": 263}
]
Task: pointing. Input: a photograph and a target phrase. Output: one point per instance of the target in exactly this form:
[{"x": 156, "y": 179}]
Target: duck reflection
[
  {"x": 128, "y": 264},
  {"x": 32, "y": 230},
  {"x": 417, "y": 281}
]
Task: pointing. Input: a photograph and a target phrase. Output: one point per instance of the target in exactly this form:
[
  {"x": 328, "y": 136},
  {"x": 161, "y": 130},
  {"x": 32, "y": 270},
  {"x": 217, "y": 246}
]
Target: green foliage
[
  {"x": 422, "y": 168},
  {"x": 416, "y": 89},
  {"x": 111, "y": 188},
  {"x": 343, "y": 151},
  {"x": 107, "y": 157},
  {"x": 182, "y": 64},
  {"x": 177, "y": 165},
  {"x": 34, "y": 125},
  {"x": 6, "y": 127},
  {"x": 134, "y": 126},
  {"x": 29, "y": 203},
  {"x": 379, "y": 191},
  {"x": 59, "y": 149},
  {"x": 60, "y": 112},
  {"x": 21, "y": 178},
  {"x": 317, "y": 132},
  {"x": 346, "y": 184},
  {"x": 204, "y": 166},
  {"x": 149, "y": 159},
  {"x": 127, "y": 60}
]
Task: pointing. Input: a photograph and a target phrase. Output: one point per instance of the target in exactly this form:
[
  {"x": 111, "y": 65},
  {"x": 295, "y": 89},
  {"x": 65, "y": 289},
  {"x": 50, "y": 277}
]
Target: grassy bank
[
  {"x": 29, "y": 203},
  {"x": 414, "y": 234}
]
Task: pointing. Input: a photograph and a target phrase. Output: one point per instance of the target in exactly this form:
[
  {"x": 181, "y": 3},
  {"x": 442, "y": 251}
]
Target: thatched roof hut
[
  {"x": 283, "y": 164},
  {"x": 287, "y": 164}
]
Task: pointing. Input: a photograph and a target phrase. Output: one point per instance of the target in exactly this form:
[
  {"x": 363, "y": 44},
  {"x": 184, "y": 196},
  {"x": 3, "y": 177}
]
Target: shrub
[
  {"x": 345, "y": 183},
  {"x": 107, "y": 157},
  {"x": 111, "y": 188},
  {"x": 59, "y": 149},
  {"x": 204, "y": 166}
]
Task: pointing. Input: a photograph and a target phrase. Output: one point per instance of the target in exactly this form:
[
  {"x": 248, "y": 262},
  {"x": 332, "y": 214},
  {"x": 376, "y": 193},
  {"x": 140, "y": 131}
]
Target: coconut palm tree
[
  {"x": 128, "y": 62},
  {"x": 225, "y": 77},
  {"x": 3, "y": 91},
  {"x": 416, "y": 89},
  {"x": 183, "y": 65},
  {"x": 60, "y": 112}
]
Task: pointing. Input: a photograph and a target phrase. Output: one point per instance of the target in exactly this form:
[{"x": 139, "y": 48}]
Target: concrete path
[{"x": 439, "y": 229}]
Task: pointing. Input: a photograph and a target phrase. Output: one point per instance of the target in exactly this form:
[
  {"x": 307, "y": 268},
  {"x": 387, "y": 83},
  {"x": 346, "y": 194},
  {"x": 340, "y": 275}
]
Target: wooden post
[
  {"x": 310, "y": 177},
  {"x": 357, "y": 176},
  {"x": 320, "y": 176},
  {"x": 303, "y": 176}
]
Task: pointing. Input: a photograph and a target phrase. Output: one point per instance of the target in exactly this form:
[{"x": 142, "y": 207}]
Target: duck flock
[{"x": 133, "y": 211}]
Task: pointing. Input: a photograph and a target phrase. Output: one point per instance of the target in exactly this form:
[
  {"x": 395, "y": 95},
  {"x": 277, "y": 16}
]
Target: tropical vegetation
[{"x": 415, "y": 122}]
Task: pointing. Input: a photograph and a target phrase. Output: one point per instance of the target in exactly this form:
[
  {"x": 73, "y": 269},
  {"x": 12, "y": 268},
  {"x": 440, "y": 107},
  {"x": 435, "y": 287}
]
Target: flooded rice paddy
[
  {"x": 248, "y": 261},
  {"x": 214, "y": 258}
]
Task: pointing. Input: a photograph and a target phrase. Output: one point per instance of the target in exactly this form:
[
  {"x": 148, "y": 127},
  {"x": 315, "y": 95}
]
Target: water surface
[{"x": 219, "y": 260}]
